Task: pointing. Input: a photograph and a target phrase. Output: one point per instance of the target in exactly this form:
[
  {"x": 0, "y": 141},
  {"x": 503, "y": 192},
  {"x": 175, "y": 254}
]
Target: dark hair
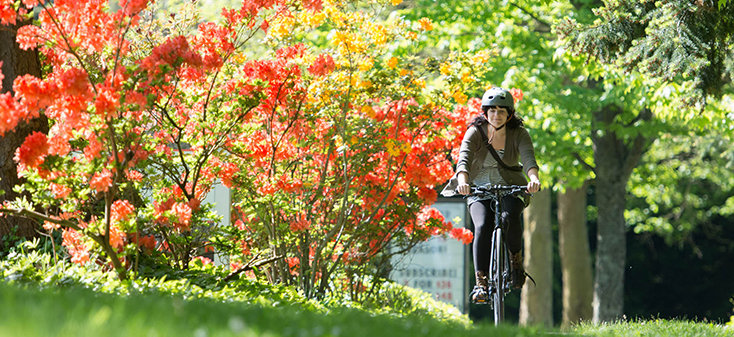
[{"x": 513, "y": 123}]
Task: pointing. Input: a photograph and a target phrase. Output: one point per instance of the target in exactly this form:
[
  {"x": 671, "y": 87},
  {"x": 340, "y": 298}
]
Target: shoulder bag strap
[{"x": 485, "y": 140}]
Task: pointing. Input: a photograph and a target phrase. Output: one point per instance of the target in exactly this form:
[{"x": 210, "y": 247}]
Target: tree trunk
[
  {"x": 615, "y": 159},
  {"x": 536, "y": 304},
  {"x": 16, "y": 62},
  {"x": 611, "y": 251},
  {"x": 573, "y": 247}
]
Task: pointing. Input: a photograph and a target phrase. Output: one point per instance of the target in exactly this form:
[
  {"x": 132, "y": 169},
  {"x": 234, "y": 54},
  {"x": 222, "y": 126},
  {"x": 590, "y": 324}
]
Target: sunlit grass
[
  {"x": 81, "y": 312},
  {"x": 654, "y": 328}
]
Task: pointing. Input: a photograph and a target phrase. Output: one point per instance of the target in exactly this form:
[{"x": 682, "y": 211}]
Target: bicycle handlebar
[{"x": 499, "y": 189}]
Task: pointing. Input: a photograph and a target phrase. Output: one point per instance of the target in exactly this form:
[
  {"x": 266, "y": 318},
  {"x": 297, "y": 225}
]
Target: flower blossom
[
  {"x": 204, "y": 260},
  {"x": 35, "y": 93},
  {"x": 50, "y": 226},
  {"x": 117, "y": 238},
  {"x": 464, "y": 235},
  {"x": 428, "y": 217},
  {"x": 313, "y": 5},
  {"x": 33, "y": 151},
  {"x": 426, "y": 24},
  {"x": 460, "y": 98},
  {"x": 429, "y": 195},
  {"x": 228, "y": 170},
  {"x": 235, "y": 265},
  {"x": 133, "y": 175},
  {"x": 74, "y": 82},
  {"x": 147, "y": 242},
  {"x": 101, "y": 181},
  {"x": 76, "y": 248},
  {"x": 8, "y": 116},
  {"x": 93, "y": 149},
  {"x": 323, "y": 65},
  {"x": 293, "y": 262},
  {"x": 173, "y": 52},
  {"x": 60, "y": 191},
  {"x": 122, "y": 210},
  {"x": 107, "y": 102},
  {"x": 517, "y": 94},
  {"x": 300, "y": 224},
  {"x": 183, "y": 213},
  {"x": 392, "y": 62},
  {"x": 133, "y": 7}
]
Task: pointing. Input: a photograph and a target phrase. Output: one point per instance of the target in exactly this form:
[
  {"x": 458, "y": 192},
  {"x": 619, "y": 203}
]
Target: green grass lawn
[
  {"x": 81, "y": 312},
  {"x": 655, "y": 328}
]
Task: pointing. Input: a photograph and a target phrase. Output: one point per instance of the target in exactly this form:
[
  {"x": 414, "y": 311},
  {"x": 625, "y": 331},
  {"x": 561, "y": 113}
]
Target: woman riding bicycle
[{"x": 499, "y": 127}]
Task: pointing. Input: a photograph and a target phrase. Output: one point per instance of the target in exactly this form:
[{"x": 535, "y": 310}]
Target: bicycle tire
[{"x": 498, "y": 276}]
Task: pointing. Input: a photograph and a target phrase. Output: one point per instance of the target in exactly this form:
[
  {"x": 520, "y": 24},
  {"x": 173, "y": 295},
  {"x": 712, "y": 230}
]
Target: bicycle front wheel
[{"x": 498, "y": 276}]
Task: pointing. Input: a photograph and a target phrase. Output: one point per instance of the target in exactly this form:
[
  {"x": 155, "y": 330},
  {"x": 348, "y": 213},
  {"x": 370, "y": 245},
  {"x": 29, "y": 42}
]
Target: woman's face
[{"x": 497, "y": 116}]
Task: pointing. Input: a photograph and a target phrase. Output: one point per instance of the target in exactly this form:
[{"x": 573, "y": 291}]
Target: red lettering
[{"x": 443, "y": 284}]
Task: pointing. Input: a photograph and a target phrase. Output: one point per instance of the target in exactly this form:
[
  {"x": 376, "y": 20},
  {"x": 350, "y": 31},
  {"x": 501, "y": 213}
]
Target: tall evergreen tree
[{"x": 682, "y": 41}]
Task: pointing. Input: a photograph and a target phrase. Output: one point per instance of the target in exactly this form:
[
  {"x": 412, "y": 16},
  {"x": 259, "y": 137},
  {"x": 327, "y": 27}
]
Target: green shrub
[
  {"x": 30, "y": 266},
  {"x": 38, "y": 269},
  {"x": 393, "y": 298}
]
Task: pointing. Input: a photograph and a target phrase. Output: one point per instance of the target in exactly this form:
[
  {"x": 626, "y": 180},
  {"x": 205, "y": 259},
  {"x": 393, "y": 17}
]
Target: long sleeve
[
  {"x": 469, "y": 147},
  {"x": 527, "y": 150}
]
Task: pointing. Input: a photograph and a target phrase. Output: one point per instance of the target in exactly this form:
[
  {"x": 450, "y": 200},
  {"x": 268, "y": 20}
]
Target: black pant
[{"x": 482, "y": 215}]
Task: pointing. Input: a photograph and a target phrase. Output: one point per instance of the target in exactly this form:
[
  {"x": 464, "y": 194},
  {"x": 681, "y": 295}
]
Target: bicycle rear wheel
[{"x": 498, "y": 276}]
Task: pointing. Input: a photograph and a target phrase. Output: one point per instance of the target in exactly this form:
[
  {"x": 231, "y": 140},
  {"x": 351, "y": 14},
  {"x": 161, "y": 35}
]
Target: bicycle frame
[{"x": 499, "y": 263}]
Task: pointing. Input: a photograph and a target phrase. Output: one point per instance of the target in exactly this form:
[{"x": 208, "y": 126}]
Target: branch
[
  {"x": 639, "y": 145},
  {"x": 535, "y": 17},
  {"x": 637, "y": 149},
  {"x": 252, "y": 264},
  {"x": 644, "y": 115},
  {"x": 26, "y": 213},
  {"x": 583, "y": 162}
]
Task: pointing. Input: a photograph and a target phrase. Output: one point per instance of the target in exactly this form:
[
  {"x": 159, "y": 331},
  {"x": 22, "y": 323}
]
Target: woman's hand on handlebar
[
  {"x": 533, "y": 186},
  {"x": 463, "y": 189}
]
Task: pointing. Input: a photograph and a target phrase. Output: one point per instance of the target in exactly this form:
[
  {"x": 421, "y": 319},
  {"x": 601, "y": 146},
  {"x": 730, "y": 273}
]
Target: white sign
[
  {"x": 219, "y": 197},
  {"x": 438, "y": 266}
]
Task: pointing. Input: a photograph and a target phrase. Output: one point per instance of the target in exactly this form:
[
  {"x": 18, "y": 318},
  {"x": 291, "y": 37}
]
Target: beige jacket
[{"x": 518, "y": 146}]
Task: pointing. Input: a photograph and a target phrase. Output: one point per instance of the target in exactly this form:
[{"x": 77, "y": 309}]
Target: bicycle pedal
[{"x": 483, "y": 302}]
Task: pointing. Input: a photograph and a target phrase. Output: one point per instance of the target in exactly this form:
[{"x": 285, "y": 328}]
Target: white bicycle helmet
[{"x": 498, "y": 97}]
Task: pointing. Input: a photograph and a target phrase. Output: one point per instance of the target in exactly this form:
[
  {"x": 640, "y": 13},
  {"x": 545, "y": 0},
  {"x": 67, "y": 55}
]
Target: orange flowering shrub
[
  {"x": 137, "y": 124},
  {"x": 339, "y": 175},
  {"x": 333, "y": 151}
]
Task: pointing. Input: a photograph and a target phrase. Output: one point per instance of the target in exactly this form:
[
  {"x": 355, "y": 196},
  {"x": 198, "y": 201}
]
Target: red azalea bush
[{"x": 332, "y": 153}]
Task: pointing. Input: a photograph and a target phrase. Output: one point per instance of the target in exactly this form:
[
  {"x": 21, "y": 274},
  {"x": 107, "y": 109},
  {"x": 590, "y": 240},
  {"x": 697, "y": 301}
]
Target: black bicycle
[{"x": 499, "y": 279}]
